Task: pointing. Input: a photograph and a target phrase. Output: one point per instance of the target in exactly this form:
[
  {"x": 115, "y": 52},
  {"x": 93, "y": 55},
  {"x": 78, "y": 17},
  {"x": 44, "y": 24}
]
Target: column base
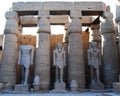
[{"x": 97, "y": 86}]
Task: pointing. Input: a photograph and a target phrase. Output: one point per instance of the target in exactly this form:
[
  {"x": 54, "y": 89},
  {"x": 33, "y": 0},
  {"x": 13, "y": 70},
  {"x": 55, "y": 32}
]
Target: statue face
[
  {"x": 93, "y": 45},
  {"x": 59, "y": 47}
]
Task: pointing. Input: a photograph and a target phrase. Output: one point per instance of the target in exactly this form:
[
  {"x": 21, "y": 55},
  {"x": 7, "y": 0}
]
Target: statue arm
[
  {"x": 19, "y": 56},
  {"x": 99, "y": 57},
  {"x": 89, "y": 61},
  {"x": 32, "y": 55},
  {"x": 64, "y": 53},
  {"x": 54, "y": 58}
]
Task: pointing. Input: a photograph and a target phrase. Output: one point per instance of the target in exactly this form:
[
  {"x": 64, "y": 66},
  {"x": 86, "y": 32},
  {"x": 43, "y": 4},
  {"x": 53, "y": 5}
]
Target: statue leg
[
  {"x": 57, "y": 74},
  {"x": 61, "y": 75},
  {"x": 92, "y": 73},
  {"x": 26, "y": 75},
  {"x": 23, "y": 74},
  {"x": 98, "y": 75}
]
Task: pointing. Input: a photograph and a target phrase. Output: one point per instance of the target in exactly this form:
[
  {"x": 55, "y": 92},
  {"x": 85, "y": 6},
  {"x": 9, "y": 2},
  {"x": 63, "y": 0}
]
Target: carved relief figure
[
  {"x": 94, "y": 60},
  {"x": 59, "y": 61},
  {"x": 26, "y": 54}
]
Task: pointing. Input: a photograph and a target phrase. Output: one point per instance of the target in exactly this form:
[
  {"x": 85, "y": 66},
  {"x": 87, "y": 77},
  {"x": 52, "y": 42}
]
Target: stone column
[
  {"x": 110, "y": 57},
  {"x": 118, "y": 22},
  {"x": 42, "y": 66},
  {"x": 9, "y": 53},
  {"x": 75, "y": 53}
]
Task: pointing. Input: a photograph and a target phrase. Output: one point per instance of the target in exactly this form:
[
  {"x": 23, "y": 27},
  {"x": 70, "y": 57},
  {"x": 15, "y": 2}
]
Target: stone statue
[
  {"x": 26, "y": 54},
  {"x": 36, "y": 83},
  {"x": 94, "y": 60},
  {"x": 59, "y": 61}
]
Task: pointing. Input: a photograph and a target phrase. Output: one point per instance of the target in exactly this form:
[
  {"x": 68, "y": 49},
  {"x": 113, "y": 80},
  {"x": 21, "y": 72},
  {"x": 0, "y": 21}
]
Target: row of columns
[{"x": 75, "y": 50}]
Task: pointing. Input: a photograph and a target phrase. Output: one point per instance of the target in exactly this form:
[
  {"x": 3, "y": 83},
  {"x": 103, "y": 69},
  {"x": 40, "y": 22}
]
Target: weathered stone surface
[
  {"x": 22, "y": 88},
  {"x": 8, "y": 65},
  {"x": 42, "y": 59},
  {"x": 34, "y": 6},
  {"x": 118, "y": 13},
  {"x": 11, "y": 26},
  {"x": 44, "y": 13},
  {"x": 44, "y": 25},
  {"x": 77, "y": 14},
  {"x": 110, "y": 56},
  {"x": 30, "y": 21},
  {"x": 75, "y": 54},
  {"x": 116, "y": 87},
  {"x": 60, "y": 86},
  {"x": 73, "y": 86}
]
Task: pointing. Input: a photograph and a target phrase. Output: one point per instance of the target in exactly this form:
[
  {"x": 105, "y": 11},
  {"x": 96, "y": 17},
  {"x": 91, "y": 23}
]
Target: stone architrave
[
  {"x": 75, "y": 53},
  {"x": 9, "y": 52},
  {"x": 60, "y": 63},
  {"x": 42, "y": 59},
  {"x": 94, "y": 60},
  {"x": 109, "y": 51},
  {"x": 26, "y": 55}
]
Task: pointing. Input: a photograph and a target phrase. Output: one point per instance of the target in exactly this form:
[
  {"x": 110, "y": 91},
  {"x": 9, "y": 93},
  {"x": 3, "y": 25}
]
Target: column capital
[
  {"x": 12, "y": 23},
  {"x": 75, "y": 26},
  {"x": 95, "y": 26},
  {"x": 76, "y": 14},
  {"x": 107, "y": 26},
  {"x": 43, "y": 25},
  {"x": 107, "y": 15},
  {"x": 12, "y": 15}
]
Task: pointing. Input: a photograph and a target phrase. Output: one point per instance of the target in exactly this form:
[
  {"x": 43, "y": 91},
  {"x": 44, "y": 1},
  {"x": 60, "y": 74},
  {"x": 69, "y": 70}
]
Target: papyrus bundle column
[
  {"x": 109, "y": 50},
  {"x": 42, "y": 65},
  {"x": 9, "y": 53},
  {"x": 75, "y": 51}
]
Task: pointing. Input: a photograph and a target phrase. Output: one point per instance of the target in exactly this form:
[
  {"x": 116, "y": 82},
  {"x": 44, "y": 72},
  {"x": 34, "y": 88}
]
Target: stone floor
[{"x": 81, "y": 94}]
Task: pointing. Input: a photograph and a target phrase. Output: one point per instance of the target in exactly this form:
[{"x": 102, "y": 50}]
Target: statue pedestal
[
  {"x": 36, "y": 87},
  {"x": 60, "y": 86},
  {"x": 97, "y": 86},
  {"x": 22, "y": 87},
  {"x": 116, "y": 87}
]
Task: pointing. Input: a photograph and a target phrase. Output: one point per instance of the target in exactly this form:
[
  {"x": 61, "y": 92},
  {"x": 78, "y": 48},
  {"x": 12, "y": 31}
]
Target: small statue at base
[{"x": 26, "y": 54}]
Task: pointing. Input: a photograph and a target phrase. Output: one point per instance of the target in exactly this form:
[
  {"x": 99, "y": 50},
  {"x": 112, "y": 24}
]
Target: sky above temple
[{"x": 5, "y": 5}]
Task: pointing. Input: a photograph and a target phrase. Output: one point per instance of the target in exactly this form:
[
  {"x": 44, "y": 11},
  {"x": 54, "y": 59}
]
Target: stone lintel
[
  {"x": 31, "y": 21},
  {"x": 32, "y": 7}
]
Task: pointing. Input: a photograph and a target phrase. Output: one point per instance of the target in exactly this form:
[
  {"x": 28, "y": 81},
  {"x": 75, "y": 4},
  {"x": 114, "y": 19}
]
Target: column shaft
[
  {"x": 75, "y": 53},
  {"x": 9, "y": 53},
  {"x": 110, "y": 57},
  {"x": 42, "y": 66}
]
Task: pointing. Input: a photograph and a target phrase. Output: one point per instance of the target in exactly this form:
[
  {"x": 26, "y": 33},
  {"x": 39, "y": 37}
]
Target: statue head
[
  {"x": 59, "y": 47},
  {"x": 93, "y": 45}
]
